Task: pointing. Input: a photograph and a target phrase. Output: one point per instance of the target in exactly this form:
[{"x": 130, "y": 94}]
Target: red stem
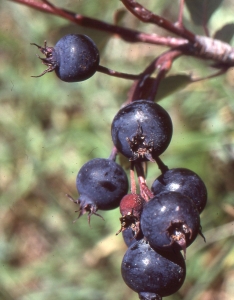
[
  {"x": 180, "y": 17},
  {"x": 114, "y": 153},
  {"x": 117, "y": 74},
  {"x": 144, "y": 190},
  {"x": 132, "y": 179},
  {"x": 148, "y": 17},
  {"x": 163, "y": 64}
]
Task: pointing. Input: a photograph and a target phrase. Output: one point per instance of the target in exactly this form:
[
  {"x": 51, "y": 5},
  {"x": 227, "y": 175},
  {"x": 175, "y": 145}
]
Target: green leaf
[
  {"x": 225, "y": 33},
  {"x": 201, "y": 10},
  {"x": 171, "y": 84},
  {"x": 119, "y": 16}
]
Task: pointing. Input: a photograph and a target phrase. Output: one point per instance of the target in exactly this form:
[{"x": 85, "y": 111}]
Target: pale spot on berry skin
[
  {"x": 140, "y": 116},
  {"x": 174, "y": 186},
  {"x": 177, "y": 208},
  {"x": 146, "y": 261},
  {"x": 163, "y": 208}
]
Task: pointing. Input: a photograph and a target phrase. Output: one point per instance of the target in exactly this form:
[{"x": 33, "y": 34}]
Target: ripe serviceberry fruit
[
  {"x": 183, "y": 181},
  {"x": 170, "y": 221},
  {"x": 130, "y": 236},
  {"x": 74, "y": 58},
  {"x": 101, "y": 183},
  {"x": 130, "y": 208},
  {"x": 152, "y": 274},
  {"x": 141, "y": 130}
]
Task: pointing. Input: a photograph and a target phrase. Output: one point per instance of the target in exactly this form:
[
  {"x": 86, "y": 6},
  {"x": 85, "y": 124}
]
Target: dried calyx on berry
[
  {"x": 50, "y": 59},
  {"x": 178, "y": 231},
  {"x": 139, "y": 147}
]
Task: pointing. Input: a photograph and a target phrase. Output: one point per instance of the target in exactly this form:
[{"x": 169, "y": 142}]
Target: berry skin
[
  {"x": 130, "y": 208},
  {"x": 183, "y": 181},
  {"x": 150, "y": 273},
  {"x": 101, "y": 183},
  {"x": 170, "y": 222},
  {"x": 130, "y": 237},
  {"x": 74, "y": 58},
  {"x": 141, "y": 130}
]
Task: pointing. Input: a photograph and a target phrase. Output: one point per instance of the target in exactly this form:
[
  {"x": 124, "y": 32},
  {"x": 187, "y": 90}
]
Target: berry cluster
[{"x": 156, "y": 223}]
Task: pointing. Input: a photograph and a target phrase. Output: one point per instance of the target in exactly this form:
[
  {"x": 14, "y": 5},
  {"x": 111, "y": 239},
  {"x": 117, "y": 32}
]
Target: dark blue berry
[
  {"x": 130, "y": 237},
  {"x": 74, "y": 58},
  {"x": 141, "y": 130},
  {"x": 101, "y": 183},
  {"x": 183, "y": 181},
  {"x": 150, "y": 273},
  {"x": 170, "y": 221}
]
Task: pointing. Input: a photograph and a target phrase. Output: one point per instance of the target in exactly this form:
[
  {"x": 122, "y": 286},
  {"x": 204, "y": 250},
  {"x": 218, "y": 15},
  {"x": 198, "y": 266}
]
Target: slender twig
[
  {"x": 129, "y": 35},
  {"x": 147, "y": 16},
  {"x": 132, "y": 179},
  {"x": 114, "y": 153},
  {"x": 162, "y": 167},
  {"x": 180, "y": 17},
  {"x": 140, "y": 83},
  {"x": 117, "y": 74},
  {"x": 156, "y": 82},
  {"x": 163, "y": 64},
  {"x": 220, "y": 72},
  {"x": 198, "y": 46},
  {"x": 144, "y": 190}
]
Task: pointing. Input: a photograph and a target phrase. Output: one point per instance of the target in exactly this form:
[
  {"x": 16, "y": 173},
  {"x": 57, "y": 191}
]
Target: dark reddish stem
[
  {"x": 113, "y": 154},
  {"x": 163, "y": 64},
  {"x": 162, "y": 167},
  {"x": 161, "y": 74},
  {"x": 132, "y": 179},
  {"x": 136, "y": 90},
  {"x": 148, "y": 17},
  {"x": 180, "y": 17},
  {"x": 117, "y": 74},
  {"x": 144, "y": 190}
]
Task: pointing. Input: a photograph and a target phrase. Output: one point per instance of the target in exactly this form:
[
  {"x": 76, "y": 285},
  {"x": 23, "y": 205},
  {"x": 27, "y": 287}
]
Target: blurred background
[{"x": 49, "y": 129}]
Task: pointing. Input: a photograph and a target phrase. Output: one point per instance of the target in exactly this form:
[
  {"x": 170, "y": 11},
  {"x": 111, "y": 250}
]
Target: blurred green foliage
[{"x": 49, "y": 129}]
